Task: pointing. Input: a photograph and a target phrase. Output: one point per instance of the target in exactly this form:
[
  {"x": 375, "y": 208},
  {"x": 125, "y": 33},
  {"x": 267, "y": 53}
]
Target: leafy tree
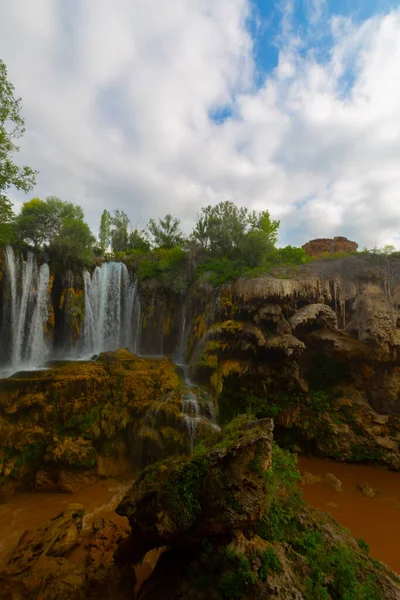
[
  {"x": 40, "y": 222},
  {"x": 73, "y": 243},
  {"x": 220, "y": 228},
  {"x": 138, "y": 241},
  {"x": 11, "y": 128},
  {"x": 119, "y": 233},
  {"x": 60, "y": 210},
  {"x": 105, "y": 231},
  {"x": 262, "y": 221},
  {"x": 6, "y": 219},
  {"x": 34, "y": 223},
  {"x": 256, "y": 248},
  {"x": 167, "y": 233}
]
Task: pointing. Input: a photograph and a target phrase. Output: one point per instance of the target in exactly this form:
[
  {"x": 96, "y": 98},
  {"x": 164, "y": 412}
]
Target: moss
[
  {"x": 94, "y": 401},
  {"x": 184, "y": 489},
  {"x": 270, "y": 562}
]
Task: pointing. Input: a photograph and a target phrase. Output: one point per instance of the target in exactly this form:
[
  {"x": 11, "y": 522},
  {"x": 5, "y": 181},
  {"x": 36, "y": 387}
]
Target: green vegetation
[
  {"x": 269, "y": 562},
  {"x": 12, "y": 127},
  {"x": 236, "y": 574},
  {"x": 80, "y": 424},
  {"x": 184, "y": 489}
]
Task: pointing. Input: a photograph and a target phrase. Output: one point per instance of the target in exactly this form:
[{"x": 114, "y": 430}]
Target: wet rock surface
[{"x": 43, "y": 564}]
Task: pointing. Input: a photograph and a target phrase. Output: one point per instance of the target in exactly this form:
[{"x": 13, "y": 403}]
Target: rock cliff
[
  {"x": 317, "y": 350},
  {"x": 337, "y": 245}
]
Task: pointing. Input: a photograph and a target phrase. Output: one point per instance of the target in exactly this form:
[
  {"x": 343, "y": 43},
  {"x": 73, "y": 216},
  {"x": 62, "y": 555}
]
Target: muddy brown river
[{"x": 376, "y": 520}]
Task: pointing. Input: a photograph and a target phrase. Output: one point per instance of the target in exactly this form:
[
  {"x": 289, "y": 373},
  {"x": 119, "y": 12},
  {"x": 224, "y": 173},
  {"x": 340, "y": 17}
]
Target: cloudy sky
[{"x": 156, "y": 106}]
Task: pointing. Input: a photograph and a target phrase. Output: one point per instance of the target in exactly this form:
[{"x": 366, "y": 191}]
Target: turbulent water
[{"x": 24, "y": 343}]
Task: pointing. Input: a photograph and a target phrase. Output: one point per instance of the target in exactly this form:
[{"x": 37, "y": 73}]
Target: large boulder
[
  {"x": 43, "y": 567},
  {"x": 183, "y": 501}
]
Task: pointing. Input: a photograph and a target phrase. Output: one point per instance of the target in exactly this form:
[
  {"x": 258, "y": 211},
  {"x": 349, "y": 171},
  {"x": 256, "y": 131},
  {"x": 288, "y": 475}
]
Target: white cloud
[{"x": 117, "y": 99}]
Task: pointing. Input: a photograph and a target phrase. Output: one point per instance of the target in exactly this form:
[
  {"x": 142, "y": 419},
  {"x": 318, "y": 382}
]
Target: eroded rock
[
  {"x": 184, "y": 501},
  {"x": 367, "y": 490},
  {"x": 43, "y": 567}
]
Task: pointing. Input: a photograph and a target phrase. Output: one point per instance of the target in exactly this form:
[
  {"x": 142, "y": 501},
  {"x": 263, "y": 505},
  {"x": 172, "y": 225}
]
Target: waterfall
[
  {"x": 37, "y": 343},
  {"x": 137, "y": 322},
  {"x": 26, "y": 312},
  {"x": 109, "y": 299},
  {"x": 183, "y": 335},
  {"x": 191, "y": 412}
]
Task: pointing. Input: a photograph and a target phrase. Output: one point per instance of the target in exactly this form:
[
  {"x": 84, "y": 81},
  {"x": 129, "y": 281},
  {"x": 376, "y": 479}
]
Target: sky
[{"x": 157, "y": 107}]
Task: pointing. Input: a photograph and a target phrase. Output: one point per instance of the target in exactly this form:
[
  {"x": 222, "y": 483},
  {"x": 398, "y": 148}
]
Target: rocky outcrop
[
  {"x": 337, "y": 245},
  {"x": 43, "y": 565},
  {"x": 318, "y": 351},
  {"x": 63, "y": 427},
  {"x": 235, "y": 546},
  {"x": 182, "y": 502}
]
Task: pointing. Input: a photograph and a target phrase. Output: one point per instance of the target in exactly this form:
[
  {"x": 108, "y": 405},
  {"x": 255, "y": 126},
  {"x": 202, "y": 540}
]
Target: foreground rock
[
  {"x": 43, "y": 565},
  {"x": 235, "y": 528},
  {"x": 181, "y": 502},
  {"x": 248, "y": 567}
]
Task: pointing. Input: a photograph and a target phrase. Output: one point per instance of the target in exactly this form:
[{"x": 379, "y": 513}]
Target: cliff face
[
  {"x": 318, "y": 352},
  {"x": 316, "y": 349}
]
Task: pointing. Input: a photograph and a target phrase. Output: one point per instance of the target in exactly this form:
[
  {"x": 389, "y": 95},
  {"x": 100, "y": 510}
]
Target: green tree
[
  {"x": 262, "y": 221},
  {"x": 105, "y": 231},
  {"x": 11, "y": 128},
  {"x": 220, "y": 228},
  {"x": 138, "y": 241},
  {"x": 73, "y": 242},
  {"x": 6, "y": 220},
  {"x": 119, "y": 232},
  {"x": 41, "y": 221},
  {"x": 60, "y": 210},
  {"x": 256, "y": 248},
  {"x": 34, "y": 224},
  {"x": 166, "y": 233}
]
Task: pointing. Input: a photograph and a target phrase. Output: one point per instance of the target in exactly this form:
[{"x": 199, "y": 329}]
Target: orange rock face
[{"x": 337, "y": 245}]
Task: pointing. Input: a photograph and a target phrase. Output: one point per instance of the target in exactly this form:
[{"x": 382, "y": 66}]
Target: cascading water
[
  {"x": 109, "y": 300},
  {"x": 137, "y": 322},
  {"x": 26, "y": 313}
]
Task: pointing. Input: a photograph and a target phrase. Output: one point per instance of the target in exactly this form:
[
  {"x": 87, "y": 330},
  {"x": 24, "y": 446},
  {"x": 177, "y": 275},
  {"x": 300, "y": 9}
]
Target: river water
[{"x": 376, "y": 520}]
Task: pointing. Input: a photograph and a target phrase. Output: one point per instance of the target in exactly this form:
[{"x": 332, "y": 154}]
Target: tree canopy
[
  {"x": 166, "y": 233},
  {"x": 12, "y": 127}
]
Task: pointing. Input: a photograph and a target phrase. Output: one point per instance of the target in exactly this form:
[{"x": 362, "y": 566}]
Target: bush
[
  {"x": 168, "y": 265},
  {"x": 218, "y": 271},
  {"x": 269, "y": 562}
]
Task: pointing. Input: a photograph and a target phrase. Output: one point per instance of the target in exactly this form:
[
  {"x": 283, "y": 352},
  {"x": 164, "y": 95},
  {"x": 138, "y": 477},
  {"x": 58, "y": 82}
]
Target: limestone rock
[
  {"x": 187, "y": 500},
  {"x": 337, "y": 245},
  {"x": 333, "y": 482},
  {"x": 40, "y": 568},
  {"x": 315, "y": 316},
  {"x": 309, "y": 478},
  {"x": 45, "y": 483},
  {"x": 367, "y": 490}
]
